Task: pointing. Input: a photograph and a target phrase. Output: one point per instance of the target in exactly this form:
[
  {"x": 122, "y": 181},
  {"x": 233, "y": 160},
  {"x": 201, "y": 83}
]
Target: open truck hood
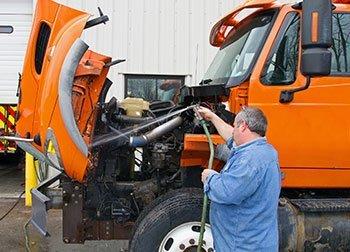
[{"x": 60, "y": 87}]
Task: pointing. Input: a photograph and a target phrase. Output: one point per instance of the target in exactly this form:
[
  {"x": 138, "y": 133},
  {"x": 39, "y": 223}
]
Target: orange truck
[
  {"x": 7, "y": 127},
  {"x": 130, "y": 169}
]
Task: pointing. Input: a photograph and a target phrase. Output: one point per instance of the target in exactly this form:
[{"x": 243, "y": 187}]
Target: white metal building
[
  {"x": 15, "y": 25},
  {"x": 160, "y": 39}
]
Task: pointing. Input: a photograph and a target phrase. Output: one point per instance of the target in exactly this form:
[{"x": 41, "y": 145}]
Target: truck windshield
[{"x": 233, "y": 62}]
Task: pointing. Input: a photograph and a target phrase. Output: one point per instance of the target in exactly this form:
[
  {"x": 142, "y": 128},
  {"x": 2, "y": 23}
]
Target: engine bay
[{"x": 135, "y": 151}]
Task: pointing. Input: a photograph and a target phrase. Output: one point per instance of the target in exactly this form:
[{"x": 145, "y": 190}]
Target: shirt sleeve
[
  {"x": 206, "y": 184},
  {"x": 222, "y": 152},
  {"x": 230, "y": 143},
  {"x": 233, "y": 185}
]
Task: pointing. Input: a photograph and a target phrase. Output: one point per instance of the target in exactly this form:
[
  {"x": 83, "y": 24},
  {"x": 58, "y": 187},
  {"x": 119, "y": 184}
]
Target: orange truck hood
[{"x": 59, "y": 73}]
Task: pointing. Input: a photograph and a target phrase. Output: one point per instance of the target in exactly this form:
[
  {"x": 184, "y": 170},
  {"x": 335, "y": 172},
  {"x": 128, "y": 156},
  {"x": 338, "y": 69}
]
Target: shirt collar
[{"x": 242, "y": 146}]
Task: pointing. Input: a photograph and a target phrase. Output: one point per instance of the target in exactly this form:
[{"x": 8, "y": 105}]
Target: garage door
[{"x": 15, "y": 25}]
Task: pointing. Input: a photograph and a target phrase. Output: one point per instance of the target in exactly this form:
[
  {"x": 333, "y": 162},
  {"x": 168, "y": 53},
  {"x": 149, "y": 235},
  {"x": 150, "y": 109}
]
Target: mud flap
[{"x": 41, "y": 204}]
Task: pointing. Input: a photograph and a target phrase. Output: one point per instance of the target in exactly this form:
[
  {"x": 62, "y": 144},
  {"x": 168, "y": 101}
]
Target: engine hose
[
  {"x": 140, "y": 141},
  {"x": 205, "y": 198}
]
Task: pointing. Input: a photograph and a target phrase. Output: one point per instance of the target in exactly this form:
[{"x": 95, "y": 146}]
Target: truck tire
[{"x": 172, "y": 223}]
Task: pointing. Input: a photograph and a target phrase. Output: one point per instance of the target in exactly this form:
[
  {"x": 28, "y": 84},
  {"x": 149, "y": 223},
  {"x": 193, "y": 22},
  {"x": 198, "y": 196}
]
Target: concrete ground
[{"x": 11, "y": 228}]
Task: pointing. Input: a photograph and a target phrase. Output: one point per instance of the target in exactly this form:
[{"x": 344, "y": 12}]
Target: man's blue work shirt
[{"x": 244, "y": 199}]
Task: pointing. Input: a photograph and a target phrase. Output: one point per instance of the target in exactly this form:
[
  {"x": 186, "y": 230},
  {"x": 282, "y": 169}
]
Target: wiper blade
[{"x": 206, "y": 81}]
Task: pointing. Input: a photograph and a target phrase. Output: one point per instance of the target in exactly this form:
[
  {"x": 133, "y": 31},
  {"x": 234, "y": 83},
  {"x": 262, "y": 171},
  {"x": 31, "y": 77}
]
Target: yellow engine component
[{"x": 134, "y": 106}]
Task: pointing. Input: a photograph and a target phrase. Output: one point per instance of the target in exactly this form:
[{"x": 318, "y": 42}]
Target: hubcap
[{"x": 185, "y": 238}]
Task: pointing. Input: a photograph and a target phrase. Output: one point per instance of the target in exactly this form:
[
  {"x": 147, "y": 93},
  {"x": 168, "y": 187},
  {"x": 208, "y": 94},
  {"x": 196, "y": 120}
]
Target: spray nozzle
[{"x": 196, "y": 112}]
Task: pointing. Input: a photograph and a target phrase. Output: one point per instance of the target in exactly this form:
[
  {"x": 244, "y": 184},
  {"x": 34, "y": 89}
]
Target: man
[{"x": 244, "y": 195}]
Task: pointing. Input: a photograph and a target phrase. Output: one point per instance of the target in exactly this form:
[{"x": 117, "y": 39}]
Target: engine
[{"x": 134, "y": 157}]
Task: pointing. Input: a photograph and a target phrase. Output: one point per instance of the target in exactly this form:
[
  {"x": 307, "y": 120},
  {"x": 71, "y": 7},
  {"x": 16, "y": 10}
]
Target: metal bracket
[
  {"x": 41, "y": 204},
  {"x": 96, "y": 21},
  {"x": 18, "y": 139},
  {"x": 39, "y": 211},
  {"x": 114, "y": 62},
  {"x": 287, "y": 96}
]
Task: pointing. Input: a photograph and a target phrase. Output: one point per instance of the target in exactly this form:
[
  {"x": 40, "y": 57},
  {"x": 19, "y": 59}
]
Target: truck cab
[{"x": 258, "y": 59}]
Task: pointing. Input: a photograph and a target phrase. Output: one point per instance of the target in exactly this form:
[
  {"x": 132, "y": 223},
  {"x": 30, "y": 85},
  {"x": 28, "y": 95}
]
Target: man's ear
[{"x": 244, "y": 127}]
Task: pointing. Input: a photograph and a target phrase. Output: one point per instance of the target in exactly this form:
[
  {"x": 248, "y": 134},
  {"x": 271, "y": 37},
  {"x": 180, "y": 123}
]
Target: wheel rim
[{"x": 185, "y": 238}]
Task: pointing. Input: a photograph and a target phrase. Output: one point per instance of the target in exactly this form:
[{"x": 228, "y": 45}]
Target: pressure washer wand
[{"x": 210, "y": 165}]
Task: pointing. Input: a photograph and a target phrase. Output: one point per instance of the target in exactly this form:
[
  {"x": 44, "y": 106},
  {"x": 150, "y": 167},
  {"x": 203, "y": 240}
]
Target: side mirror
[{"x": 316, "y": 37}]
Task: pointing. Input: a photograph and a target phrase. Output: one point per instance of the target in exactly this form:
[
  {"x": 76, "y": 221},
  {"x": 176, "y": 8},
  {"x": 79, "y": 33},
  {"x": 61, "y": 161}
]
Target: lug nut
[
  {"x": 192, "y": 241},
  {"x": 182, "y": 246},
  {"x": 282, "y": 201}
]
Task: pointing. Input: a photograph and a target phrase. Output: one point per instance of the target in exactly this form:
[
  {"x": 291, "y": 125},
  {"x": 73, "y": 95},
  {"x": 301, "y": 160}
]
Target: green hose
[{"x": 205, "y": 198}]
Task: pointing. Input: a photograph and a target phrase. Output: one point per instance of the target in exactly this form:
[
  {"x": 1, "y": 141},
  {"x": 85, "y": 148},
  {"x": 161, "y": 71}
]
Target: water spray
[{"x": 127, "y": 132}]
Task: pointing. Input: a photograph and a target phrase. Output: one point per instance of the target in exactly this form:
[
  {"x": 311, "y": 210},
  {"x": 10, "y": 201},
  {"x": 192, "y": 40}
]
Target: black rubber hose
[
  {"x": 108, "y": 83},
  {"x": 131, "y": 119}
]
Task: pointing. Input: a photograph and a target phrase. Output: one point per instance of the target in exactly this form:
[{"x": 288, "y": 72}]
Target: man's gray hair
[{"x": 254, "y": 118}]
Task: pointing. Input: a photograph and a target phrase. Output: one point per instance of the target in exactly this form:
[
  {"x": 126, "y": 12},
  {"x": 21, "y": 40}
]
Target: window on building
[
  {"x": 341, "y": 44},
  {"x": 154, "y": 87},
  {"x": 6, "y": 29},
  {"x": 281, "y": 65}
]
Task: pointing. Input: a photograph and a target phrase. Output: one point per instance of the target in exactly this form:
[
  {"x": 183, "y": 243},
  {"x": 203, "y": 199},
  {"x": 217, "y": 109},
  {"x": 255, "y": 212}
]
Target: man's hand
[
  {"x": 207, "y": 114},
  {"x": 222, "y": 127},
  {"x": 205, "y": 174}
]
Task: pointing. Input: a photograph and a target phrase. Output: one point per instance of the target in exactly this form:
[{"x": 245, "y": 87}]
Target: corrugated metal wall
[
  {"x": 155, "y": 36},
  {"x": 18, "y": 15}
]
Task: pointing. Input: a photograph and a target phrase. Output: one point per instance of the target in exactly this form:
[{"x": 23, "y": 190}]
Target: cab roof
[{"x": 223, "y": 26}]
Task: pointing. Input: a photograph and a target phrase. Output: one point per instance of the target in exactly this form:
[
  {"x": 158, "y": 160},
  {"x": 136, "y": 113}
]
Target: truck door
[{"x": 311, "y": 133}]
